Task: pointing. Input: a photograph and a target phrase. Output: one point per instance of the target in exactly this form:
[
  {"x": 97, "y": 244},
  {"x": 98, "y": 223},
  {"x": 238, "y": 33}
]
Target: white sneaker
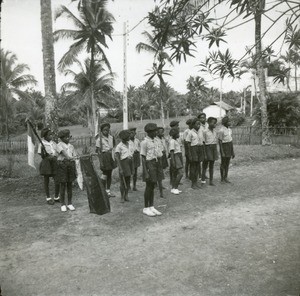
[
  {"x": 148, "y": 212},
  {"x": 175, "y": 191},
  {"x": 56, "y": 198},
  {"x": 155, "y": 211},
  {"x": 71, "y": 207},
  {"x": 172, "y": 190},
  {"x": 63, "y": 208},
  {"x": 203, "y": 182}
]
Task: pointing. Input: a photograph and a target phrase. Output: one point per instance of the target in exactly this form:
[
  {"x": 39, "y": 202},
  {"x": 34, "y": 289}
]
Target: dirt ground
[{"x": 236, "y": 239}]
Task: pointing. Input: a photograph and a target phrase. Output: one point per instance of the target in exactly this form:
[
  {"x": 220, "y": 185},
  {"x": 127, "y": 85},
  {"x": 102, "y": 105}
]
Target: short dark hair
[{"x": 210, "y": 119}]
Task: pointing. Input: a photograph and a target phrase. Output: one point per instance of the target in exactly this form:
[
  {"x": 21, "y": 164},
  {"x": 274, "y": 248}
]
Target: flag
[
  {"x": 31, "y": 140},
  {"x": 97, "y": 196},
  {"x": 79, "y": 174}
]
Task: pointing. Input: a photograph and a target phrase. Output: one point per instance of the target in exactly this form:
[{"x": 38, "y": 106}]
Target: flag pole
[{"x": 34, "y": 131}]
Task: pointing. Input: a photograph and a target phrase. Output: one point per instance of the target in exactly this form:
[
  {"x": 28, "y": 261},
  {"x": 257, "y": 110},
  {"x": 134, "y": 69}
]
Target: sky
[{"x": 21, "y": 34}]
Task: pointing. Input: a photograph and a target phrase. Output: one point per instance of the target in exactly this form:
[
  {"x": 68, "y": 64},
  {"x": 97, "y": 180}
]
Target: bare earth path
[{"x": 237, "y": 239}]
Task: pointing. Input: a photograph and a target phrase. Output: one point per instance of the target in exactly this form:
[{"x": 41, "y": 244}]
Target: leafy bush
[
  {"x": 283, "y": 110},
  {"x": 236, "y": 118}
]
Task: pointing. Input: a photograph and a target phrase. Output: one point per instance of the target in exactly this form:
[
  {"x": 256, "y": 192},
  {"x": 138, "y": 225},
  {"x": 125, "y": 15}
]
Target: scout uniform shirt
[
  {"x": 149, "y": 148},
  {"x": 68, "y": 148},
  {"x": 225, "y": 134},
  {"x": 175, "y": 146},
  {"x": 201, "y": 130},
  {"x": 107, "y": 143},
  {"x": 185, "y": 134},
  {"x": 134, "y": 145},
  {"x": 210, "y": 137},
  {"x": 50, "y": 147},
  {"x": 161, "y": 145},
  {"x": 194, "y": 138},
  {"x": 124, "y": 150}
]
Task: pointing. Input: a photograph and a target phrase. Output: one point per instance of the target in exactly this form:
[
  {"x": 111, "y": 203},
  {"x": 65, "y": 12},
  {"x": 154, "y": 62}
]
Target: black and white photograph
[{"x": 150, "y": 148}]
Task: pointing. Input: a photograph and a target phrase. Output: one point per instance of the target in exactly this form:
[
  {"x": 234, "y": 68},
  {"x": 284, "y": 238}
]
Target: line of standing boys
[{"x": 200, "y": 142}]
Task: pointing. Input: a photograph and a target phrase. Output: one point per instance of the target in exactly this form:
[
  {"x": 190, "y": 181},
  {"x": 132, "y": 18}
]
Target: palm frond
[
  {"x": 64, "y": 11},
  {"x": 145, "y": 47},
  {"x": 24, "y": 80},
  {"x": 13, "y": 73},
  {"x": 71, "y": 55},
  {"x": 104, "y": 57},
  {"x": 65, "y": 34}
]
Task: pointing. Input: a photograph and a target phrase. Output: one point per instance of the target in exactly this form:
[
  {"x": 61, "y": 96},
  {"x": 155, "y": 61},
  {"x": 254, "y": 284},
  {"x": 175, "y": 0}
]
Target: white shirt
[
  {"x": 193, "y": 138},
  {"x": 210, "y": 137},
  {"x": 201, "y": 130},
  {"x": 137, "y": 145},
  {"x": 67, "y": 148},
  {"x": 124, "y": 150},
  {"x": 185, "y": 133},
  {"x": 225, "y": 134},
  {"x": 149, "y": 148},
  {"x": 175, "y": 146},
  {"x": 50, "y": 147},
  {"x": 107, "y": 143},
  {"x": 161, "y": 145}
]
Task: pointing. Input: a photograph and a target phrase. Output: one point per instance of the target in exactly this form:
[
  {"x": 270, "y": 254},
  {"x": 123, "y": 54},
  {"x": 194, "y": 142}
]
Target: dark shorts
[
  {"x": 154, "y": 170},
  {"x": 66, "y": 171},
  {"x": 178, "y": 161},
  {"x": 136, "y": 159},
  {"x": 106, "y": 161},
  {"x": 194, "y": 153},
  {"x": 186, "y": 147},
  {"x": 227, "y": 149},
  {"x": 164, "y": 161},
  {"x": 211, "y": 152},
  {"x": 127, "y": 167},
  {"x": 197, "y": 153},
  {"x": 48, "y": 167},
  {"x": 201, "y": 153}
]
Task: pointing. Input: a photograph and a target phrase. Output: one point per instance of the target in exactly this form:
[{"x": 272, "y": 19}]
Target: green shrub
[{"x": 236, "y": 118}]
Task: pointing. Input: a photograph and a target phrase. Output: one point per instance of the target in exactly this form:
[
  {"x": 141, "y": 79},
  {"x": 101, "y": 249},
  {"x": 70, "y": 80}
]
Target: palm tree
[
  {"x": 80, "y": 90},
  {"x": 92, "y": 27},
  {"x": 160, "y": 58},
  {"x": 292, "y": 58},
  {"x": 13, "y": 80},
  {"x": 49, "y": 65},
  {"x": 196, "y": 87}
]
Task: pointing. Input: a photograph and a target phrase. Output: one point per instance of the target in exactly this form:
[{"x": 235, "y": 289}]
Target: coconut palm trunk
[
  {"x": 266, "y": 140},
  {"x": 93, "y": 104},
  {"x": 51, "y": 117}
]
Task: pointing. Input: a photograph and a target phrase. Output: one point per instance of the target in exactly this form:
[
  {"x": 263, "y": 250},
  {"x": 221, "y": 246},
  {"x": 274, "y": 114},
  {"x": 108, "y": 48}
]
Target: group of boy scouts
[{"x": 155, "y": 153}]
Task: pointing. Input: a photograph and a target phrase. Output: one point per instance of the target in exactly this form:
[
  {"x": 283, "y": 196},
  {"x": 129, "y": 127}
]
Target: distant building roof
[{"x": 223, "y": 105}]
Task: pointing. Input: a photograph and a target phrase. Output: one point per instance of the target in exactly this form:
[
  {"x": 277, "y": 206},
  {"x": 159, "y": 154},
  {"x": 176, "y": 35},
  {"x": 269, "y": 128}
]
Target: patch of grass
[{"x": 245, "y": 153}]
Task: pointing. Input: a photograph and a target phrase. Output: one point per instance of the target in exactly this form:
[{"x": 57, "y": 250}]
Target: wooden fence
[{"x": 241, "y": 136}]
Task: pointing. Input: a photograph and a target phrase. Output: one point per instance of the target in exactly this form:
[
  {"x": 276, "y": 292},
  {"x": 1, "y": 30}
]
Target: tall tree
[
  {"x": 13, "y": 80},
  {"x": 92, "y": 27},
  {"x": 176, "y": 23},
  {"x": 51, "y": 117},
  {"x": 196, "y": 87},
  {"x": 293, "y": 55},
  {"x": 79, "y": 91},
  {"x": 160, "y": 58}
]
